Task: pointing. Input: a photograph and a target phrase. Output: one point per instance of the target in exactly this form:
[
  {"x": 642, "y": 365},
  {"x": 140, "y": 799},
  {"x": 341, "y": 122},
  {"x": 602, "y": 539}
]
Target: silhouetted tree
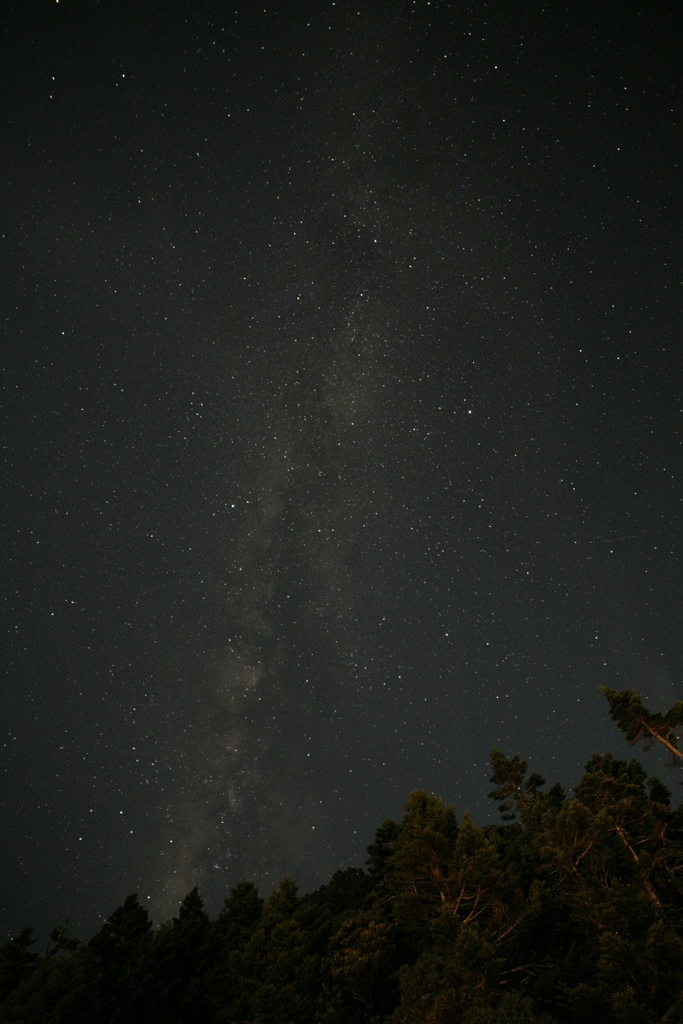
[
  {"x": 17, "y": 960},
  {"x": 568, "y": 912}
]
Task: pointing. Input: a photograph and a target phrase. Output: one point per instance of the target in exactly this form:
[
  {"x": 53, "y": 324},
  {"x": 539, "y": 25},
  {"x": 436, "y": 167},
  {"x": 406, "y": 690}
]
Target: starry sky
[{"x": 342, "y": 377}]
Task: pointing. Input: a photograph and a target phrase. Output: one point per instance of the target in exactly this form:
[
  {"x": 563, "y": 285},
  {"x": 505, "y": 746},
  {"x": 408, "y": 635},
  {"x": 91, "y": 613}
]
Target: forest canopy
[{"x": 569, "y": 910}]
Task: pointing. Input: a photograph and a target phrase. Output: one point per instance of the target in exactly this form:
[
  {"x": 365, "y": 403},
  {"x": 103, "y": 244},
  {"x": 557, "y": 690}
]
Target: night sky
[{"x": 342, "y": 391}]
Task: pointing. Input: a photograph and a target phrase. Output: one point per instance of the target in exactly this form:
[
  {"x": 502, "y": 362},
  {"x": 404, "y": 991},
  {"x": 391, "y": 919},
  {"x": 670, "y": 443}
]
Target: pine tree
[
  {"x": 626, "y": 708},
  {"x": 513, "y": 788}
]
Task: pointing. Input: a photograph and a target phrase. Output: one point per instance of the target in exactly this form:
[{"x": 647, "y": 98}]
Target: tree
[
  {"x": 241, "y": 910},
  {"x": 60, "y": 990},
  {"x": 277, "y": 968},
  {"x": 626, "y": 708},
  {"x": 61, "y": 941},
  {"x": 17, "y": 961},
  {"x": 423, "y": 849},
  {"x": 346, "y": 892},
  {"x": 120, "y": 936},
  {"x": 360, "y": 965},
  {"x": 513, "y": 788},
  {"x": 191, "y": 913}
]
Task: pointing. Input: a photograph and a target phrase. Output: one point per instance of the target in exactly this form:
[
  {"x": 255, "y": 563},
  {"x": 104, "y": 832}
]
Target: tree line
[{"x": 569, "y": 910}]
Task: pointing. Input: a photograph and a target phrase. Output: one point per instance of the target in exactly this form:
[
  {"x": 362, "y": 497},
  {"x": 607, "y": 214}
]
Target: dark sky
[{"x": 342, "y": 391}]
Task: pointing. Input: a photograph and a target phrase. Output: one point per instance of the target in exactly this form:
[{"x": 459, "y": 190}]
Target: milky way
[{"x": 343, "y": 402}]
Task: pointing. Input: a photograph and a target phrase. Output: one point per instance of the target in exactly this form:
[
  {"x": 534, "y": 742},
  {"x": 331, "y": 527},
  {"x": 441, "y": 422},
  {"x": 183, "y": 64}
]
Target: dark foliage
[{"x": 569, "y": 912}]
